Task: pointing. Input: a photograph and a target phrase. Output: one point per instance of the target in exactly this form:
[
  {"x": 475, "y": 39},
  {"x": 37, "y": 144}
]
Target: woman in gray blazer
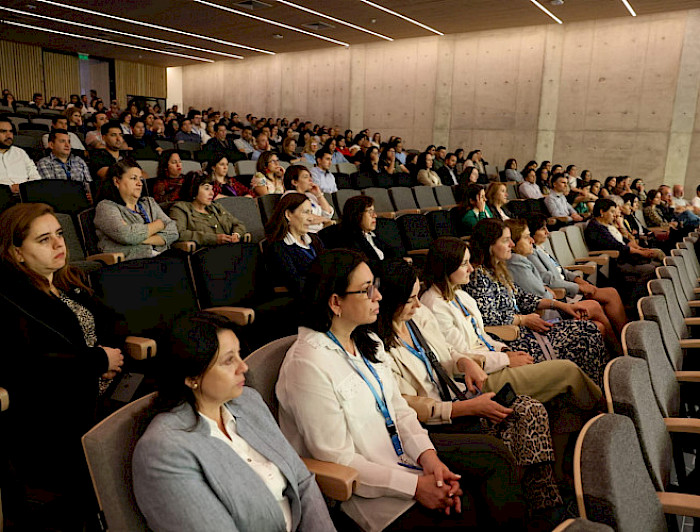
[{"x": 215, "y": 459}]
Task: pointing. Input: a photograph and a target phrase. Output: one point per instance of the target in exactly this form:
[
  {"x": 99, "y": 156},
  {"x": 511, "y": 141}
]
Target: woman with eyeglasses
[
  {"x": 310, "y": 149},
  {"x": 339, "y": 403},
  {"x": 269, "y": 176}
]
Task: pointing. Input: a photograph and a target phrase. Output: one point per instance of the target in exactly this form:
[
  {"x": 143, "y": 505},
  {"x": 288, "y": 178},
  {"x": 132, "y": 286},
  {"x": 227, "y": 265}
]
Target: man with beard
[{"x": 15, "y": 165}]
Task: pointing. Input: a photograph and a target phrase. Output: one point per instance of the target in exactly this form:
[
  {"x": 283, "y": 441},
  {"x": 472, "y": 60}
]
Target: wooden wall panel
[
  {"x": 139, "y": 79},
  {"x": 18, "y": 69},
  {"x": 62, "y": 75}
]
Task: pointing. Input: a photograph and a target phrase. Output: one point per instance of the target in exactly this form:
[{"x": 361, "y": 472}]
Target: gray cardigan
[
  {"x": 526, "y": 276},
  {"x": 121, "y": 230},
  {"x": 186, "y": 479},
  {"x": 550, "y": 274}
]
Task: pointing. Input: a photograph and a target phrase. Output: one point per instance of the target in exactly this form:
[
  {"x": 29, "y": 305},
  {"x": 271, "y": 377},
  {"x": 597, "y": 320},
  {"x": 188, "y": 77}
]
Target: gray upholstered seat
[
  {"x": 687, "y": 282},
  {"x": 664, "y": 287},
  {"x": 561, "y": 250},
  {"x": 246, "y": 210},
  {"x": 688, "y": 252},
  {"x": 655, "y": 308},
  {"x": 672, "y": 273},
  {"x": 581, "y": 525},
  {"x": 574, "y": 236}
]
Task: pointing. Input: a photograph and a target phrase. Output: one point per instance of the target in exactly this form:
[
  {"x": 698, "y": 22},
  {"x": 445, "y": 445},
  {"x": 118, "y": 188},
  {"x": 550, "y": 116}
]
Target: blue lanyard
[
  {"x": 142, "y": 212},
  {"x": 457, "y": 303},
  {"x": 419, "y": 353},
  {"x": 311, "y": 252},
  {"x": 66, "y": 168},
  {"x": 380, "y": 400}
]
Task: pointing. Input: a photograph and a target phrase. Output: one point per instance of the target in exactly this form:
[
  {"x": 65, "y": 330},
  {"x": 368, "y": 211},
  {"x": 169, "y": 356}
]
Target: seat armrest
[
  {"x": 690, "y": 343},
  {"x": 696, "y": 290},
  {"x": 280, "y": 290},
  {"x": 688, "y": 376},
  {"x": 423, "y": 210},
  {"x": 559, "y": 293},
  {"x": 390, "y": 215},
  {"x": 695, "y": 303},
  {"x": 602, "y": 260},
  {"x": 188, "y": 246},
  {"x": 612, "y": 253},
  {"x": 107, "y": 258},
  {"x": 408, "y": 211},
  {"x": 587, "y": 269},
  {"x": 682, "y": 424},
  {"x": 418, "y": 252},
  {"x": 336, "y": 481},
  {"x": 238, "y": 315},
  {"x": 247, "y": 237},
  {"x": 680, "y": 503},
  {"x": 4, "y": 400},
  {"x": 507, "y": 333},
  {"x": 140, "y": 348},
  {"x": 692, "y": 321}
]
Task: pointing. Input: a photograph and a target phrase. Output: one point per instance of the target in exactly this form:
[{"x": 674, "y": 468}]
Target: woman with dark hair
[
  {"x": 222, "y": 183},
  {"x": 55, "y": 335},
  {"x": 287, "y": 154},
  {"x": 595, "y": 188},
  {"x": 542, "y": 180},
  {"x": 510, "y": 171},
  {"x": 370, "y": 163},
  {"x": 214, "y": 458},
  {"x": 388, "y": 163},
  {"x": 172, "y": 126},
  {"x": 496, "y": 199},
  {"x": 268, "y": 178},
  {"x": 339, "y": 402},
  {"x": 652, "y": 213},
  {"x": 125, "y": 122},
  {"x": 608, "y": 188},
  {"x": 290, "y": 247},
  {"x": 474, "y": 207},
  {"x": 635, "y": 226},
  {"x": 167, "y": 186},
  {"x": 637, "y": 188},
  {"x": 426, "y": 175},
  {"x": 336, "y": 156},
  {"x": 297, "y": 178},
  {"x": 411, "y": 334},
  {"x": 126, "y": 222},
  {"x": 503, "y": 302},
  {"x": 470, "y": 175},
  {"x": 201, "y": 220}
]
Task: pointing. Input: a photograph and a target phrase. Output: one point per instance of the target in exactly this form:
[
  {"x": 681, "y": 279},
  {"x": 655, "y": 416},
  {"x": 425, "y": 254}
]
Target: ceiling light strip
[
  {"x": 106, "y": 41},
  {"x": 548, "y": 12},
  {"x": 337, "y": 20},
  {"x": 154, "y": 26},
  {"x": 404, "y": 17},
  {"x": 629, "y": 8},
  {"x": 268, "y": 21},
  {"x": 108, "y": 30}
]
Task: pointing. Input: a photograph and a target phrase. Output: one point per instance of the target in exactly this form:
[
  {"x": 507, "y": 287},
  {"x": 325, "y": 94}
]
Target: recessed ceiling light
[
  {"x": 108, "y": 30},
  {"x": 404, "y": 17},
  {"x": 268, "y": 21},
  {"x": 277, "y": 36},
  {"x": 546, "y": 11},
  {"x": 337, "y": 20},
  {"x": 154, "y": 26},
  {"x": 629, "y": 8},
  {"x": 106, "y": 41},
  {"x": 556, "y": 2}
]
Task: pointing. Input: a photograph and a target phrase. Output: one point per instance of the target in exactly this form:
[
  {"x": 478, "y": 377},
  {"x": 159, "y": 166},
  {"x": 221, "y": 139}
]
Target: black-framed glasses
[{"x": 369, "y": 291}]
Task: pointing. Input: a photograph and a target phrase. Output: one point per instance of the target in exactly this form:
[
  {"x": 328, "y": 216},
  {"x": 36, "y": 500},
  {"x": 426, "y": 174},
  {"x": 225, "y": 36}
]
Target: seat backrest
[
  {"x": 612, "y": 483},
  {"x": 574, "y": 236},
  {"x": 512, "y": 189},
  {"x": 344, "y": 180},
  {"x": 191, "y": 166},
  {"x": 109, "y": 449},
  {"x": 628, "y": 392},
  {"x": 63, "y": 195},
  {"x": 264, "y": 367},
  {"x": 246, "y": 167},
  {"x": 266, "y": 205},
  {"x": 347, "y": 168},
  {"x": 384, "y": 180},
  {"x": 382, "y": 201},
  {"x": 44, "y": 121},
  {"x": 415, "y": 231},
  {"x": 686, "y": 284},
  {"x": 561, "y": 249},
  {"x": 691, "y": 263},
  {"x": 402, "y": 198},
  {"x": 388, "y": 230},
  {"x": 424, "y": 197},
  {"x": 642, "y": 339},
  {"x": 671, "y": 272},
  {"x": 343, "y": 195},
  {"x": 654, "y": 308},
  {"x": 6, "y": 197},
  {"x": 86, "y": 221},
  {"x": 363, "y": 180},
  {"x": 440, "y": 223},
  {"x": 25, "y": 142},
  {"x": 70, "y": 236},
  {"x": 247, "y": 211},
  {"x": 17, "y": 120},
  {"x": 150, "y": 167},
  {"x": 165, "y": 144},
  {"x": 189, "y": 146},
  {"x": 664, "y": 287},
  {"x": 689, "y": 253},
  {"x": 444, "y": 195}
]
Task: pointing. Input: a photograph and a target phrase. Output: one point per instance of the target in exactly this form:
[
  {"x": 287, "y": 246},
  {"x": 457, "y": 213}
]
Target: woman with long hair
[
  {"x": 426, "y": 175},
  {"x": 288, "y": 152},
  {"x": 268, "y": 178},
  {"x": 496, "y": 199},
  {"x": 297, "y": 178},
  {"x": 225, "y": 185},
  {"x": 167, "y": 186},
  {"x": 474, "y": 207}
]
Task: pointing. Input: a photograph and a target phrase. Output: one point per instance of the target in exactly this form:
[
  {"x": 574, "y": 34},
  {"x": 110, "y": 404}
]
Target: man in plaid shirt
[{"x": 61, "y": 164}]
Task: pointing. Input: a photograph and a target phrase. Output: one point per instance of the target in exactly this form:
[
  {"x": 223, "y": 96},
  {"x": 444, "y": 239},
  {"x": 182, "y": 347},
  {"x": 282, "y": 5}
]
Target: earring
[{"x": 195, "y": 386}]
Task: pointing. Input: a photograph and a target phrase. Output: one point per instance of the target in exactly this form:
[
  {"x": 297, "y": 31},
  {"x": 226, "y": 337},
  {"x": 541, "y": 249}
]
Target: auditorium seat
[
  {"x": 76, "y": 252},
  {"x": 363, "y": 180},
  {"x": 266, "y": 205},
  {"x": 347, "y": 168},
  {"x": 150, "y": 167},
  {"x": 444, "y": 196},
  {"x": 344, "y": 181},
  {"x": 245, "y": 167},
  {"x": 383, "y": 205},
  {"x": 343, "y": 195},
  {"x": 425, "y": 199},
  {"x": 247, "y": 211},
  {"x": 562, "y": 251},
  {"x": 165, "y": 144},
  {"x": 64, "y": 196},
  {"x": 403, "y": 200}
]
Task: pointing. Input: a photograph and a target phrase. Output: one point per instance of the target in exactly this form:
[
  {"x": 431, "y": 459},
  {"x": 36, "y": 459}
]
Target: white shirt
[
  {"x": 696, "y": 201},
  {"x": 268, "y": 472},
  {"x": 328, "y": 412},
  {"x": 202, "y": 132},
  {"x": 16, "y": 167},
  {"x": 680, "y": 202},
  {"x": 290, "y": 241},
  {"x": 530, "y": 190},
  {"x": 325, "y": 180},
  {"x": 315, "y": 209},
  {"x": 370, "y": 238}
]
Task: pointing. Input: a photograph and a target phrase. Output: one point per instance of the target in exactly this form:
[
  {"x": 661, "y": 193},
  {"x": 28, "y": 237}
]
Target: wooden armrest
[
  {"x": 696, "y": 290},
  {"x": 448, "y": 207},
  {"x": 408, "y": 259},
  {"x": 692, "y": 321},
  {"x": 688, "y": 376},
  {"x": 336, "y": 481},
  {"x": 658, "y": 229},
  {"x": 418, "y": 252},
  {"x": 690, "y": 343},
  {"x": 587, "y": 269},
  {"x": 685, "y": 425},
  {"x": 140, "y": 348},
  {"x": 601, "y": 260},
  {"x": 423, "y": 210},
  {"x": 559, "y": 293},
  {"x": 4, "y": 400},
  {"x": 408, "y": 211},
  {"x": 188, "y": 246},
  {"x": 107, "y": 258},
  {"x": 280, "y": 290},
  {"x": 390, "y": 215},
  {"x": 680, "y": 503},
  {"x": 695, "y": 303},
  {"x": 507, "y": 333},
  {"x": 247, "y": 237},
  {"x": 238, "y": 315},
  {"x": 612, "y": 253}
]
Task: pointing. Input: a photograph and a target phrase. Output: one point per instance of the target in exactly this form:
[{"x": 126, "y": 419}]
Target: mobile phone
[
  {"x": 506, "y": 395},
  {"x": 553, "y": 320}
]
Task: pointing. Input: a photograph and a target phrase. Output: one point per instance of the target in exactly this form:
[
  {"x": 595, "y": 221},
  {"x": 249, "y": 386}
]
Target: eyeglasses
[{"x": 369, "y": 291}]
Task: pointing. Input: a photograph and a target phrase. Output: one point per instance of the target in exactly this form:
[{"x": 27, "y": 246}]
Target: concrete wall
[{"x": 616, "y": 96}]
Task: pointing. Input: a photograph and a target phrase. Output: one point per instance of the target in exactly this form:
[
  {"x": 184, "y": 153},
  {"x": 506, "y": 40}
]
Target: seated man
[
  {"x": 197, "y": 127},
  {"x": 671, "y": 209},
  {"x": 439, "y": 161},
  {"x": 321, "y": 173},
  {"x": 557, "y": 204},
  {"x": 102, "y": 159},
  {"x": 138, "y": 140},
  {"x": 219, "y": 142},
  {"x": 244, "y": 143},
  {"x": 448, "y": 173},
  {"x": 61, "y": 164},
  {"x": 186, "y": 134},
  {"x": 262, "y": 144},
  {"x": 679, "y": 200},
  {"x": 15, "y": 165},
  {"x": 93, "y": 139},
  {"x": 37, "y": 101},
  {"x": 61, "y": 122}
]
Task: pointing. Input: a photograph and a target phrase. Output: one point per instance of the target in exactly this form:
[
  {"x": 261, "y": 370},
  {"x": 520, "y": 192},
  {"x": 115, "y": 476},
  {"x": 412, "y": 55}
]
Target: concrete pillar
[
  {"x": 174, "y": 87},
  {"x": 549, "y": 95},
  {"x": 685, "y": 107},
  {"x": 443, "y": 91},
  {"x": 357, "y": 87}
]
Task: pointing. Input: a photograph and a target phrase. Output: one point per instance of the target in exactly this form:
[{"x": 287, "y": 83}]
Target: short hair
[
  {"x": 557, "y": 177},
  {"x": 629, "y": 197},
  {"x": 440, "y": 148},
  {"x": 570, "y": 167},
  {"x": 107, "y": 188},
  {"x": 445, "y": 256},
  {"x": 321, "y": 153},
  {"x": 292, "y": 174},
  {"x": 602, "y": 205},
  {"x": 471, "y": 192},
  {"x": 247, "y": 128},
  {"x": 535, "y": 221},
  {"x": 193, "y": 113},
  {"x": 56, "y": 118},
  {"x": 359, "y": 137},
  {"x": 54, "y": 132},
  {"x": 277, "y": 226},
  {"x": 37, "y": 94},
  {"x": 6, "y": 118},
  {"x": 697, "y": 190},
  {"x": 450, "y": 154},
  {"x": 353, "y": 210},
  {"x": 191, "y": 183},
  {"x": 112, "y": 124}
]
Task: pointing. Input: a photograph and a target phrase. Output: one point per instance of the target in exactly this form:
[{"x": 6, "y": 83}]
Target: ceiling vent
[
  {"x": 252, "y": 5},
  {"x": 318, "y": 26}
]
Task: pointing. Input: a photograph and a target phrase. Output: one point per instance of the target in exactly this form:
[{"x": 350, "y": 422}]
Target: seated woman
[
  {"x": 526, "y": 276},
  {"x": 339, "y": 402},
  {"x": 201, "y": 220},
  {"x": 370, "y": 163},
  {"x": 510, "y": 172},
  {"x": 637, "y": 188},
  {"x": 425, "y": 365},
  {"x": 388, "y": 163},
  {"x": 126, "y": 222},
  {"x": 268, "y": 178},
  {"x": 496, "y": 199},
  {"x": 503, "y": 302},
  {"x": 310, "y": 149},
  {"x": 214, "y": 458},
  {"x": 474, "y": 208},
  {"x": 290, "y": 247},
  {"x": 426, "y": 175},
  {"x": 608, "y": 188},
  {"x": 167, "y": 186},
  {"x": 287, "y": 154},
  {"x": 646, "y": 238},
  {"x": 55, "y": 338},
  {"x": 584, "y": 200},
  {"x": 336, "y": 156},
  {"x": 297, "y": 178},
  {"x": 653, "y": 215},
  {"x": 225, "y": 185}
]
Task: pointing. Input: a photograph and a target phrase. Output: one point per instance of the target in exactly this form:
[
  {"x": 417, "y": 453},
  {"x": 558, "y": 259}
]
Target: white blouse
[{"x": 370, "y": 238}]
